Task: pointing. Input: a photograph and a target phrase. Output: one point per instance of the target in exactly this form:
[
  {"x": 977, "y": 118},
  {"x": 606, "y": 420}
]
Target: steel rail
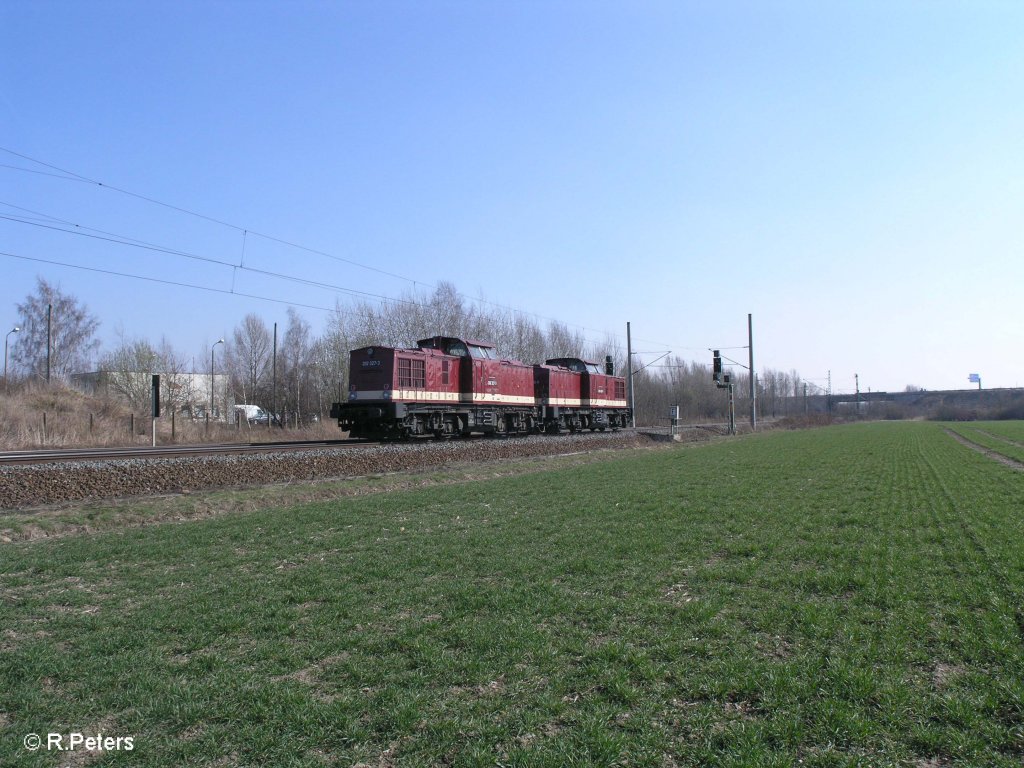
[{"x": 9, "y": 458}]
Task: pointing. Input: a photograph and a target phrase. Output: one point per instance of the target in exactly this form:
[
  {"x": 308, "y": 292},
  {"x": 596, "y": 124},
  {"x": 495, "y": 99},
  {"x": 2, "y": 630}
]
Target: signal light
[{"x": 716, "y": 359}]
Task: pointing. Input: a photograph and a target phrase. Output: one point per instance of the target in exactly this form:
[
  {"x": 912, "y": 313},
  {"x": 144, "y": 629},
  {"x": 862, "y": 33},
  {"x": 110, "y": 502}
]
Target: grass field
[{"x": 849, "y": 596}]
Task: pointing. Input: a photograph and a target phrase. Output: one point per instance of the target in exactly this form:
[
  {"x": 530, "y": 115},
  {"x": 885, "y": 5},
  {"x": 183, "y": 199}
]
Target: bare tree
[
  {"x": 295, "y": 354},
  {"x": 247, "y": 358},
  {"x": 73, "y": 329},
  {"x": 127, "y": 372},
  {"x": 562, "y": 342}
]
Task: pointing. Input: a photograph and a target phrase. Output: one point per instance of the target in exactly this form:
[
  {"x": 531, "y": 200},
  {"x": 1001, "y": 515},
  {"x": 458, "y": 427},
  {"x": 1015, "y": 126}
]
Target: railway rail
[{"x": 10, "y": 458}]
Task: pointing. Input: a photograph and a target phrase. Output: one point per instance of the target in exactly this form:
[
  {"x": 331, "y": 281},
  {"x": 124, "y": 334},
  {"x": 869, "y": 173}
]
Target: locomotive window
[
  {"x": 458, "y": 349},
  {"x": 411, "y": 374},
  {"x": 620, "y": 389},
  {"x": 593, "y": 368},
  {"x": 484, "y": 353},
  {"x": 446, "y": 372}
]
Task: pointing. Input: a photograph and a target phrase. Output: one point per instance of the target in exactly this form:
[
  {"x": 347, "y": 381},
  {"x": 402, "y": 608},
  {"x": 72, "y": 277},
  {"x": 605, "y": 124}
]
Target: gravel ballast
[{"x": 54, "y": 483}]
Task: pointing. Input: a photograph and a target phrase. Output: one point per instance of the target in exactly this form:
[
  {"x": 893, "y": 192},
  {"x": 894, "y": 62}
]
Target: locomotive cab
[{"x": 577, "y": 364}]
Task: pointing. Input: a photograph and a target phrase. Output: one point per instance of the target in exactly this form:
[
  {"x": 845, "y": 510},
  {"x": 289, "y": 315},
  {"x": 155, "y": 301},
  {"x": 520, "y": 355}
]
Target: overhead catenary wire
[
  {"x": 79, "y": 229},
  {"x": 234, "y": 267},
  {"x": 170, "y": 282},
  {"x": 72, "y": 176},
  {"x": 67, "y": 175}
]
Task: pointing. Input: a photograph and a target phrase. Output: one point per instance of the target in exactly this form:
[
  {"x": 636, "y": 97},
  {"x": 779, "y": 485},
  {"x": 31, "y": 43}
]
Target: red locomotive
[{"x": 449, "y": 386}]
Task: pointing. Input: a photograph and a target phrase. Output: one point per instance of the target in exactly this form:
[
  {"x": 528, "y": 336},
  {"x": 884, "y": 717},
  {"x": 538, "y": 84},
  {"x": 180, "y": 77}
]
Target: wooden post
[
  {"x": 131, "y": 424},
  {"x": 90, "y": 423},
  {"x": 173, "y": 433}
]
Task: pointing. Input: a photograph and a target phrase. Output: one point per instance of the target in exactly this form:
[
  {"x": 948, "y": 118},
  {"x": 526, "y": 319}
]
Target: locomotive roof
[
  {"x": 442, "y": 342},
  {"x": 560, "y": 360}
]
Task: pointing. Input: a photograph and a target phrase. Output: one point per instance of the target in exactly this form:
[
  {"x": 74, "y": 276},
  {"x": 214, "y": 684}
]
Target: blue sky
[{"x": 852, "y": 173}]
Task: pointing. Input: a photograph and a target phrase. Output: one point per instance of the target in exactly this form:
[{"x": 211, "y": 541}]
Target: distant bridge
[{"x": 923, "y": 399}]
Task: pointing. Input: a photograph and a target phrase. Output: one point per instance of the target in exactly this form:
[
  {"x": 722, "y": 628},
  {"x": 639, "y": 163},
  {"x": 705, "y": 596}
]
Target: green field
[{"x": 847, "y": 596}]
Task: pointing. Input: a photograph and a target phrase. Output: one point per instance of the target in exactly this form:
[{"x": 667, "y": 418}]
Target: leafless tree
[
  {"x": 563, "y": 342},
  {"x": 72, "y": 333},
  {"x": 248, "y": 358},
  {"x": 128, "y": 369},
  {"x": 295, "y": 357}
]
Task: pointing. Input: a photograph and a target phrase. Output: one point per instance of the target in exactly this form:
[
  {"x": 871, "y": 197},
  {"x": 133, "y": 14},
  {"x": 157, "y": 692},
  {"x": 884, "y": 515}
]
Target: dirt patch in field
[
  {"x": 943, "y": 674},
  {"x": 994, "y": 455}
]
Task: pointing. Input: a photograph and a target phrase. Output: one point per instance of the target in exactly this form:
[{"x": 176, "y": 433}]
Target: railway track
[
  {"x": 12, "y": 458},
  {"x": 35, "y": 478}
]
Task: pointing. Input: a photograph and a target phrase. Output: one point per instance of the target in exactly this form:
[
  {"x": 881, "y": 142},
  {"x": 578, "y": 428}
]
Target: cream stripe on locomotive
[
  {"x": 595, "y": 403},
  {"x": 565, "y": 402},
  {"x": 478, "y": 397},
  {"x": 435, "y": 396},
  {"x": 407, "y": 394}
]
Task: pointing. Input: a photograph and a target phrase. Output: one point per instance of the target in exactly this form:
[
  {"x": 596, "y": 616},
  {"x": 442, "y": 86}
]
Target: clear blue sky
[{"x": 852, "y": 173}]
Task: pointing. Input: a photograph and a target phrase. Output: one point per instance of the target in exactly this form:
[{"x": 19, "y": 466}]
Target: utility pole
[
  {"x": 753, "y": 388},
  {"x": 732, "y": 409},
  {"x": 273, "y": 390},
  {"x": 7, "y": 387},
  {"x": 629, "y": 376},
  {"x": 219, "y": 341},
  {"x": 49, "y": 344}
]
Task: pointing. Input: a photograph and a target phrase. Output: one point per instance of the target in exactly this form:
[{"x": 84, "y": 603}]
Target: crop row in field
[{"x": 839, "y": 597}]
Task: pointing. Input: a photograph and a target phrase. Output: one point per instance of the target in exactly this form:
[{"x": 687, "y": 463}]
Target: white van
[{"x": 252, "y": 414}]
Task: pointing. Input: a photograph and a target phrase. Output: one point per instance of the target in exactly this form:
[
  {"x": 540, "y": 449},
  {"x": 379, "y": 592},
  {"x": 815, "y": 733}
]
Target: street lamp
[
  {"x": 6, "y": 340},
  {"x": 220, "y": 341}
]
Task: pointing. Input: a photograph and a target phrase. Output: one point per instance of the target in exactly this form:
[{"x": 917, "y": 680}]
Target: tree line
[{"x": 311, "y": 370}]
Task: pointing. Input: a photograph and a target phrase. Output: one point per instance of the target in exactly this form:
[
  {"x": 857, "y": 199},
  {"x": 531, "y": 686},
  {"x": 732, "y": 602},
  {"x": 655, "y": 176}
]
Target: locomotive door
[
  {"x": 467, "y": 375},
  {"x": 482, "y": 376}
]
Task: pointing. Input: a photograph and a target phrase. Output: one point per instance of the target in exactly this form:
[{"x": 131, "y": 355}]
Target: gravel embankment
[{"x": 37, "y": 485}]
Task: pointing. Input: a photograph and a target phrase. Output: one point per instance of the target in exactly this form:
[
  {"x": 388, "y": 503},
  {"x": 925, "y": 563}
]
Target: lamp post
[
  {"x": 6, "y": 340},
  {"x": 220, "y": 341}
]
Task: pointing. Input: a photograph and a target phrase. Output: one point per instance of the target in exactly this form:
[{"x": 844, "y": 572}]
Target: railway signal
[{"x": 724, "y": 381}]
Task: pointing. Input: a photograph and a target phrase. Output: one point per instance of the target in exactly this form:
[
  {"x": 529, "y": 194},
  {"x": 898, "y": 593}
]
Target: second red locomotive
[{"x": 448, "y": 386}]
